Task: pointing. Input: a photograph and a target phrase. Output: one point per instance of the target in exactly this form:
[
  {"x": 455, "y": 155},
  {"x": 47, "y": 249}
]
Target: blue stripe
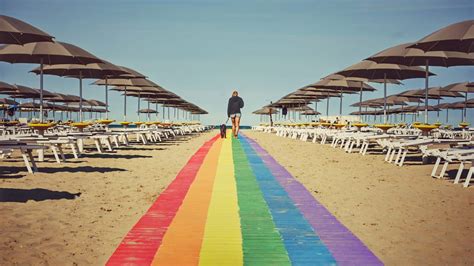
[{"x": 303, "y": 245}]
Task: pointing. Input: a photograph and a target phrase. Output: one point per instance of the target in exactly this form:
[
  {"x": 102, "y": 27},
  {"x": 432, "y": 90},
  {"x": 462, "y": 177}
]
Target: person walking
[{"x": 233, "y": 111}]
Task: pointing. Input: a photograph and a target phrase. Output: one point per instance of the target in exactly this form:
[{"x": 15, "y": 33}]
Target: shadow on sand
[
  {"x": 36, "y": 194},
  {"x": 63, "y": 169},
  {"x": 116, "y": 156}
]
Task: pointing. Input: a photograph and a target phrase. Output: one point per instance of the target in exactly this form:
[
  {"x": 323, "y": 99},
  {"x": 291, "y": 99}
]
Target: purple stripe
[{"x": 346, "y": 248}]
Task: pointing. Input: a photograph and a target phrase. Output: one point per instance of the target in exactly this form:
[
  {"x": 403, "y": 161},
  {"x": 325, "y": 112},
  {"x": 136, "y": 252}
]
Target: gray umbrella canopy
[
  {"x": 379, "y": 102},
  {"x": 5, "y": 87},
  {"x": 402, "y": 54},
  {"x": 28, "y": 93},
  {"x": 466, "y": 88},
  {"x": 457, "y": 37},
  {"x": 265, "y": 111},
  {"x": 125, "y": 82},
  {"x": 7, "y": 101},
  {"x": 65, "y": 98},
  {"x": 90, "y": 71},
  {"x": 15, "y": 31},
  {"x": 337, "y": 76},
  {"x": 341, "y": 86},
  {"x": 147, "y": 111},
  {"x": 373, "y": 70},
  {"x": 129, "y": 82},
  {"x": 93, "y": 102},
  {"x": 50, "y": 53}
]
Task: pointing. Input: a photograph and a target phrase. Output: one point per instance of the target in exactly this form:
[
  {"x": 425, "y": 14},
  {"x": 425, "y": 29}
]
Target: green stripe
[{"x": 261, "y": 242}]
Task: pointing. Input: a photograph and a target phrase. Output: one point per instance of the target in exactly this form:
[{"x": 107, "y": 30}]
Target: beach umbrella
[
  {"x": 461, "y": 106},
  {"x": 127, "y": 82},
  {"x": 310, "y": 112},
  {"x": 88, "y": 71},
  {"x": 266, "y": 110},
  {"x": 140, "y": 92},
  {"x": 64, "y": 98},
  {"x": 372, "y": 70},
  {"x": 310, "y": 95},
  {"x": 403, "y": 55},
  {"x": 15, "y": 31},
  {"x": 458, "y": 37},
  {"x": 49, "y": 53},
  {"x": 466, "y": 88},
  {"x": 432, "y": 93},
  {"x": 5, "y": 87},
  {"x": 148, "y": 111},
  {"x": 168, "y": 98},
  {"x": 331, "y": 84},
  {"x": 7, "y": 101},
  {"x": 361, "y": 81}
]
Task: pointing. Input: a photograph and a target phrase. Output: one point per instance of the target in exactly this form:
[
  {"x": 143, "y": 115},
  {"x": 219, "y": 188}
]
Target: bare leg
[
  {"x": 237, "y": 126},
  {"x": 233, "y": 126}
]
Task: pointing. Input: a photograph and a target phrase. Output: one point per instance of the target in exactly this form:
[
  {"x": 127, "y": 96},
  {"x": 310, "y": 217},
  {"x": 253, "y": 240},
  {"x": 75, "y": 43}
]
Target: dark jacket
[{"x": 235, "y": 103}]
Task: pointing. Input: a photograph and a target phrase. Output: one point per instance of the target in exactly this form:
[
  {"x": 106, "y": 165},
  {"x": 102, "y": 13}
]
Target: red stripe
[{"x": 141, "y": 243}]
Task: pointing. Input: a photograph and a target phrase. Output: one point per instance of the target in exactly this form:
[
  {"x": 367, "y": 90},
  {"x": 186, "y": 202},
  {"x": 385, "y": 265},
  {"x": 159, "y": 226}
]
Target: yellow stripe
[
  {"x": 222, "y": 242},
  {"x": 184, "y": 236}
]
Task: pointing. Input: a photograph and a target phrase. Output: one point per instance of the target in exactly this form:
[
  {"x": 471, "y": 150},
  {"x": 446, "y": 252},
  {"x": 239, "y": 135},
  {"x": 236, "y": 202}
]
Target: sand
[
  {"x": 402, "y": 214},
  {"x": 83, "y": 209}
]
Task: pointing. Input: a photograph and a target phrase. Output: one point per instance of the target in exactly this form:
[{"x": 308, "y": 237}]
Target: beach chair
[{"x": 25, "y": 150}]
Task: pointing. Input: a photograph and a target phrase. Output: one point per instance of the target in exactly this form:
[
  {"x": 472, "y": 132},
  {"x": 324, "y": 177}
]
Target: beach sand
[
  {"x": 402, "y": 214},
  {"x": 115, "y": 190}
]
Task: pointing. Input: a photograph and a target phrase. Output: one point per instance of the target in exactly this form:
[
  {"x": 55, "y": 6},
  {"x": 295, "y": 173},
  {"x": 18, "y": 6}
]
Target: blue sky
[{"x": 202, "y": 50}]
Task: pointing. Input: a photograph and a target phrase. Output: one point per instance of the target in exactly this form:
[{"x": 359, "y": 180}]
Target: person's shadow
[{"x": 36, "y": 194}]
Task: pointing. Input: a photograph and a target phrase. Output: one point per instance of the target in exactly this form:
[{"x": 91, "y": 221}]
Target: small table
[
  {"x": 360, "y": 125},
  {"x": 338, "y": 126},
  {"x": 463, "y": 125},
  {"x": 80, "y": 125},
  {"x": 41, "y": 127},
  {"x": 425, "y": 128},
  {"x": 125, "y": 124},
  {"x": 105, "y": 121},
  {"x": 384, "y": 127}
]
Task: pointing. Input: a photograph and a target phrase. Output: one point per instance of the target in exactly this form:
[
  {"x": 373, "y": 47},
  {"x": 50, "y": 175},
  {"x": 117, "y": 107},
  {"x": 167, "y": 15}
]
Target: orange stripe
[{"x": 182, "y": 242}]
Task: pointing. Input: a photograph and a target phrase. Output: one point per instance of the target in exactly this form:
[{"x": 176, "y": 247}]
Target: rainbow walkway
[{"x": 233, "y": 204}]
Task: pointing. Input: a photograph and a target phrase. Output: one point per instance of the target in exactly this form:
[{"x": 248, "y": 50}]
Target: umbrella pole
[
  {"x": 163, "y": 113},
  {"x": 437, "y": 112},
  {"x": 106, "y": 99},
  {"x": 465, "y": 108},
  {"x": 138, "y": 110},
  {"x": 156, "y": 109},
  {"x": 148, "y": 115},
  {"x": 360, "y": 100},
  {"x": 80, "y": 95},
  {"x": 168, "y": 113},
  {"x": 125, "y": 105},
  {"x": 340, "y": 105},
  {"x": 447, "y": 115},
  {"x": 426, "y": 91},
  {"x": 327, "y": 108},
  {"x": 385, "y": 98},
  {"x": 41, "y": 91}
]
